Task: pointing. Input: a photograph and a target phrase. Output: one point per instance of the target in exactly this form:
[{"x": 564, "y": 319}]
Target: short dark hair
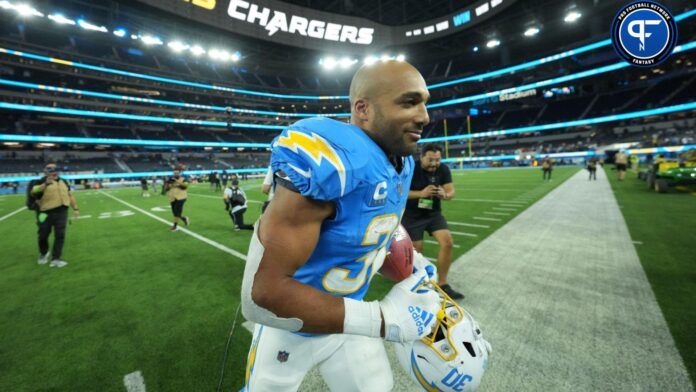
[{"x": 431, "y": 147}]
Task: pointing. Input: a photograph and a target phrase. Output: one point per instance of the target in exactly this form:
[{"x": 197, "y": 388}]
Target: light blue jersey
[{"x": 333, "y": 161}]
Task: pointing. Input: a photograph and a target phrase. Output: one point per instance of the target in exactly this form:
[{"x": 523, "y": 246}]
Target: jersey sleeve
[{"x": 312, "y": 163}]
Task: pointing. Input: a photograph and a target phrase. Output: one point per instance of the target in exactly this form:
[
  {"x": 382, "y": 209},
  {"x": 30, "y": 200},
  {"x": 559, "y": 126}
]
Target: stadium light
[
  {"x": 328, "y": 63},
  {"x": 6, "y": 5},
  {"x": 572, "y": 16},
  {"x": 197, "y": 50},
  {"x": 346, "y": 62},
  {"x": 120, "y": 32},
  {"x": 400, "y": 57},
  {"x": 492, "y": 43},
  {"x": 236, "y": 56},
  {"x": 89, "y": 26},
  {"x": 151, "y": 40},
  {"x": 532, "y": 31},
  {"x": 26, "y": 10},
  {"x": 384, "y": 58},
  {"x": 475, "y": 49},
  {"x": 219, "y": 55},
  {"x": 369, "y": 60},
  {"x": 60, "y": 19},
  {"x": 177, "y": 46}
]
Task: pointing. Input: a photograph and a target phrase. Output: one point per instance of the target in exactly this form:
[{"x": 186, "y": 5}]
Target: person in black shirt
[{"x": 432, "y": 183}]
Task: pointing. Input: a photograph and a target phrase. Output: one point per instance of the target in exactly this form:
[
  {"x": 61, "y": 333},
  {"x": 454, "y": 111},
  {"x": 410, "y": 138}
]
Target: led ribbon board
[
  {"x": 534, "y": 128},
  {"x": 573, "y": 154},
  {"x": 104, "y": 176}
]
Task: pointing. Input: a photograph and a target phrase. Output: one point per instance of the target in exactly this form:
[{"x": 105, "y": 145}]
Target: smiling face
[{"x": 388, "y": 103}]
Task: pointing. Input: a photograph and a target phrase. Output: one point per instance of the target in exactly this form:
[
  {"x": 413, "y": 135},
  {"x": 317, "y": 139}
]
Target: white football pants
[{"x": 279, "y": 360}]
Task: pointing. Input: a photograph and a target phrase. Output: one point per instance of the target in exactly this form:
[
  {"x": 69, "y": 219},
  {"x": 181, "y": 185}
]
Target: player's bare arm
[{"x": 289, "y": 231}]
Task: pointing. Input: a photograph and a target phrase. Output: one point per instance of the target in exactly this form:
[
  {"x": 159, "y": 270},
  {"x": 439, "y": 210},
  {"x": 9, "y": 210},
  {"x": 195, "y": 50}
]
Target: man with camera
[
  {"x": 176, "y": 189},
  {"x": 50, "y": 197},
  {"x": 236, "y": 205},
  {"x": 432, "y": 183}
]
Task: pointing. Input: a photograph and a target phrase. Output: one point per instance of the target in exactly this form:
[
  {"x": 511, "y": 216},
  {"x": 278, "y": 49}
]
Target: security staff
[
  {"x": 176, "y": 188},
  {"x": 52, "y": 197},
  {"x": 432, "y": 182}
]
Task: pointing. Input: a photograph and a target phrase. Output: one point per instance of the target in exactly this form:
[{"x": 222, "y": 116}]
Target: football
[{"x": 398, "y": 265}]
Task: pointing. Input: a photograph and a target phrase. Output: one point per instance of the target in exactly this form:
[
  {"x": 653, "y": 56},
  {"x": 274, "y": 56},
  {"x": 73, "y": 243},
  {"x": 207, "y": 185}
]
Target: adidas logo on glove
[{"x": 421, "y": 317}]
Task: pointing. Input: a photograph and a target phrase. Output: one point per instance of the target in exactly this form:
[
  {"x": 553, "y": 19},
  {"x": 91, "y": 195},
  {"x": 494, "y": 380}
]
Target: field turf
[
  {"x": 663, "y": 228},
  {"x": 136, "y": 297}
]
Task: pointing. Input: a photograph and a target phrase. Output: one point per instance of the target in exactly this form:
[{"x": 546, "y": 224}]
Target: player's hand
[
  {"x": 420, "y": 263},
  {"x": 429, "y": 191},
  {"x": 76, "y": 214},
  {"x": 409, "y": 309}
]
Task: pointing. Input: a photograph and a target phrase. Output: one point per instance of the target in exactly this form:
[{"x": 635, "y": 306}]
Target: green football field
[{"x": 137, "y": 297}]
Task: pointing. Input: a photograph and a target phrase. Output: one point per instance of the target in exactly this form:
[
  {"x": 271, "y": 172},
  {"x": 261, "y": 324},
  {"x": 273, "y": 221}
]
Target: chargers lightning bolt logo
[{"x": 317, "y": 148}]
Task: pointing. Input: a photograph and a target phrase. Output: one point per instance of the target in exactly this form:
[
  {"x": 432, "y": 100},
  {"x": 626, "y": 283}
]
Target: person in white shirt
[{"x": 236, "y": 205}]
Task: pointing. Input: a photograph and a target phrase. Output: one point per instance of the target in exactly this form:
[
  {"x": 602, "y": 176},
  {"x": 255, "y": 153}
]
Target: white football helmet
[{"x": 453, "y": 357}]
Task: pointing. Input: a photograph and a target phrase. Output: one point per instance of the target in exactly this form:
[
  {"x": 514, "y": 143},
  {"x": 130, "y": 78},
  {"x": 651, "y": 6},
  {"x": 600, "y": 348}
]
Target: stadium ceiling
[{"x": 432, "y": 56}]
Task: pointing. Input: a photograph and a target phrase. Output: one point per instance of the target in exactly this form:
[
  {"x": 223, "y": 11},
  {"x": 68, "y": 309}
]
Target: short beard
[{"x": 391, "y": 140}]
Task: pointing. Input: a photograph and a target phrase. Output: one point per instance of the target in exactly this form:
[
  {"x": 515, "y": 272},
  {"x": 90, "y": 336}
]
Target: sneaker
[
  {"x": 236, "y": 228},
  {"x": 173, "y": 228},
  {"x": 58, "y": 263},
  {"x": 186, "y": 220},
  {"x": 43, "y": 259},
  {"x": 451, "y": 292}
]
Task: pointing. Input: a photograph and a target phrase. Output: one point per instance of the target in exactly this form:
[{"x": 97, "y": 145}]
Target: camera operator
[
  {"x": 236, "y": 205},
  {"x": 432, "y": 183},
  {"x": 176, "y": 189},
  {"x": 50, "y": 197}
]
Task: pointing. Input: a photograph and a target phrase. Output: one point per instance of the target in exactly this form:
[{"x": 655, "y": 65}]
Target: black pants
[
  {"x": 178, "y": 207},
  {"x": 238, "y": 219},
  {"x": 55, "y": 219},
  {"x": 593, "y": 174},
  {"x": 547, "y": 172}
]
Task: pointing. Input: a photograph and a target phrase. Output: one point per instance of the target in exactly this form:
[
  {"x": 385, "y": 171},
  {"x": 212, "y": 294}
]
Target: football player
[{"x": 340, "y": 192}]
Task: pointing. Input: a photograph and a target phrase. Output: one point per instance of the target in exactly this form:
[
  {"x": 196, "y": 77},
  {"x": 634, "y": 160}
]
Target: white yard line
[
  {"x": 497, "y": 213},
  {"x": 435, "y": 243},
  {"x": 464, "y": 234},
  {"x": 182, "y": 229},
  {"x": 513, "y": 204},
  {"x": 487, "y": 219},
  {"x": 134, "y": 382},
  {"x": 638, "y": 242},
  {"x": 468, "y": 224},
  {"x": 12, "y": 213},
  {"x": 220, "y": 197},
  {"x": 503, "y": 208},
  {"x": 485, "y": 201},
  {"x": 431, "y": 259}
]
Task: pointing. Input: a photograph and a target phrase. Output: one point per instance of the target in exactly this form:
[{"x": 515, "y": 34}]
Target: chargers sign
[{"x": 274, "y": 21}]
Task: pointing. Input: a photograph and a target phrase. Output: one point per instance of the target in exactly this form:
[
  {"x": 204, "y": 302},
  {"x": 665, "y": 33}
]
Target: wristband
[{"x": 362, "y": 318}]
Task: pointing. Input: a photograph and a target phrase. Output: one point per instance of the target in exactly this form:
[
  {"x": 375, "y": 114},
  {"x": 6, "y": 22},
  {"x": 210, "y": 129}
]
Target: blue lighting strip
[
  {"x": 89, "y": 113},
  {"x": 478, "y": 77},
  {"x": 573, "y": 154},
  {"x": 89, "y": 93},
  {"x": 103, "y": 176},
  {"x": 165, "y": 80},
  {"x": 124, "y": 142},
  {"x": 548, "y": 82},
  {"x": 548, "y": 59},
  {"x": 543, "y": 83},
  {"x": 567, "y": 124}
]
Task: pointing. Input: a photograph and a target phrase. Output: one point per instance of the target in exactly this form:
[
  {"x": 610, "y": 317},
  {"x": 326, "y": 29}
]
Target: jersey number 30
[{"x": 338, "y": 279}]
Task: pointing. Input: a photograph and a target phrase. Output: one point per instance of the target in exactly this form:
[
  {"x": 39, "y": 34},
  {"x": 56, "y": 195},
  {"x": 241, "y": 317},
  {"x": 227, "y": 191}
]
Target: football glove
[
  {"x": 409, "y": 309},
  {"x": 420, "y": 263}
]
